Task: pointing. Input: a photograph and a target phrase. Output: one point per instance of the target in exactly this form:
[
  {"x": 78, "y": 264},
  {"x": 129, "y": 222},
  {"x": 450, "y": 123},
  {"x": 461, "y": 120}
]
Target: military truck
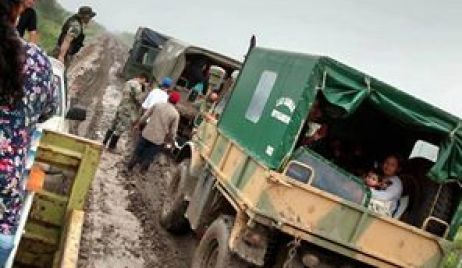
[
  {"x": 159, "y": 55},
  {"x": 258, "y": 197},
  {"x": 186, "y": 65},
  {"x": 146, "y": 46}
]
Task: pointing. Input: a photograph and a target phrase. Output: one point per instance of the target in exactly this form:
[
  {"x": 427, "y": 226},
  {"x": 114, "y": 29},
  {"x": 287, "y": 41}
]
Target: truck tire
[
  {"x": 443, "y": 208},
  {"x": 174, "y": 206},
  {"x": 213, "y": 250}
]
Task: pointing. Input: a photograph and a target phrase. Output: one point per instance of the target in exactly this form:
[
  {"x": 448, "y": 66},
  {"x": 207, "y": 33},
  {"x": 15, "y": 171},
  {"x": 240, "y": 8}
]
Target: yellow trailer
[{"x": 53, "y": 228}]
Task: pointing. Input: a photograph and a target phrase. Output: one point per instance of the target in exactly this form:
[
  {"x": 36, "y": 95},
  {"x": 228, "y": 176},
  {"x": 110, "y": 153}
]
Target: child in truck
[{"x": 372, "y": 179}]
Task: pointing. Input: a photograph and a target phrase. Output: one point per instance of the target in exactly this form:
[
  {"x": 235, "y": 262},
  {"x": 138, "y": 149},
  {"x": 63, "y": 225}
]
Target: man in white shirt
[{"x": 158, "y": 95}]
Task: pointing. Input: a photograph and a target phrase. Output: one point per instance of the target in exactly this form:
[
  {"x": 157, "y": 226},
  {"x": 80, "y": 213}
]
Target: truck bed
[{"x": 313, "y": 215}]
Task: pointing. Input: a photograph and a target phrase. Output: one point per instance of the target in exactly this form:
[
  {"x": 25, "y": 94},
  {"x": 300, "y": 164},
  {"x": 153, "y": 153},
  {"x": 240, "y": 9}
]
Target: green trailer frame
[{"x": 53, "y": 228}]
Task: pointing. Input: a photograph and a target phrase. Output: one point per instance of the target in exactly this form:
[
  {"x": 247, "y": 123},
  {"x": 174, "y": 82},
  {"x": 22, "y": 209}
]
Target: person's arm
[
  {"x": 72, "y": 33},
  {"x": 65, "y": 47},
  {"x": 32, "y": 28},
  {"x": 33, "y": 37},
  {"x": 135, "y": 92},
  {"x": 146, "y": 115},
  {"x": 140, "y": 96},
  {"x": 173, "y": 129},
  {"x": 392, "y": 193}
]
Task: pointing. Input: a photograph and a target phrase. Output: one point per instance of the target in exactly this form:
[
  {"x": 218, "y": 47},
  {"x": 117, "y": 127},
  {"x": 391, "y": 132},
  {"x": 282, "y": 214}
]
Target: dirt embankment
[{"x": 121, "y": 227}]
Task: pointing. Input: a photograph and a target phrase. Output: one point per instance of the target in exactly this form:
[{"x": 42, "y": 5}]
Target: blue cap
[{"x": 166, "y": 82}]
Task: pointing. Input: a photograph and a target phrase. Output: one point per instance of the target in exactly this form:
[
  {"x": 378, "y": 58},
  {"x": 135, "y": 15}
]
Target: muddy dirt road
[{"x": 121, "y": 227}]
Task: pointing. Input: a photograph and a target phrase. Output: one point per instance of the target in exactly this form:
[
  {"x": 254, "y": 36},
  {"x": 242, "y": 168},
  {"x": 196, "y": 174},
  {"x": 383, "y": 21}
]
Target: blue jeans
[
  {"x": 144, "y": 154},
  {"x": 6, "y": 245}
]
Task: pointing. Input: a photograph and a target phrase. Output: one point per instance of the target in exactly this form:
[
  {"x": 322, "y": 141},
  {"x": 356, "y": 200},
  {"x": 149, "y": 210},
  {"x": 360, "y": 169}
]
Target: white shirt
[
  {"x": 392, "y": 194},
  {"x": 156, "y": 95}
]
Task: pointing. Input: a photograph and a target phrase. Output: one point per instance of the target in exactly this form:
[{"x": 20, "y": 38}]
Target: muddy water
[{"x": 121, "y": 227}]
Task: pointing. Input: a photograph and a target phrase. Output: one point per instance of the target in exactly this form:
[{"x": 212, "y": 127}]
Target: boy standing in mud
[{"x": 127, "y": 111}]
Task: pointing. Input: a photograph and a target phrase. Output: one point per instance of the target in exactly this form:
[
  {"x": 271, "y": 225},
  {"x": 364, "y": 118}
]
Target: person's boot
[
  {"x": 132, "y": 163},
  {"x": 113, "y": 143},
  {"x": 107, "y": 137},
  {"x": 144, "y": 167}
]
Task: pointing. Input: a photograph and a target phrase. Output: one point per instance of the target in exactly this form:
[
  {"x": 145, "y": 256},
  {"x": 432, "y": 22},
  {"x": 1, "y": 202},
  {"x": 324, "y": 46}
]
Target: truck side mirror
[{"x": 77, "y": 114}]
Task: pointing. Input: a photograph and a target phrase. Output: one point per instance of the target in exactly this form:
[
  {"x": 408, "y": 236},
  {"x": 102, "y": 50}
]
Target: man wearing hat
[
  {"x": 160, "y": 130},
  {"x": 71, "y": 39}
]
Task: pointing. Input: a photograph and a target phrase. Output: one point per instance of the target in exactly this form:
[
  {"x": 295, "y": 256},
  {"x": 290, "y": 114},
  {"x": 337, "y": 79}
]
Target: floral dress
[{"x": 17, "y": 123}]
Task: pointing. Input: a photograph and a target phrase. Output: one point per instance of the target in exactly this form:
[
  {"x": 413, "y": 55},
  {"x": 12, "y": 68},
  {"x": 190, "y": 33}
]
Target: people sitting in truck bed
[
  {"x": 385, "y": 199},
  {"x": 357, "y": 162},
  {"x": 206, "y": 106},
  {"x": 316, "y": 129}
]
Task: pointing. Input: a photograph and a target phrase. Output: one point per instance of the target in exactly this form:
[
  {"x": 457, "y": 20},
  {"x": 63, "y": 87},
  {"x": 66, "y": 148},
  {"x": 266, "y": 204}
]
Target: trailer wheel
[
  {"x": 213, "y": 250},
  {"x": 174, "y": 206}
]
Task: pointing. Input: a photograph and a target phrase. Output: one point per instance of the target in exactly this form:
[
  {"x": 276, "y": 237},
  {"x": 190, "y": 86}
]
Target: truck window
[
  {"x": 299, "y": 172},
  {"x": 261, "y": 96},
  {"x": 149, "y": 57}
]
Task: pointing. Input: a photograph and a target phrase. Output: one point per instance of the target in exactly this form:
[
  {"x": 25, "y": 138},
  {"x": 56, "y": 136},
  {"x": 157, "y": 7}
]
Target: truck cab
[{"x": 146, "y": 46}]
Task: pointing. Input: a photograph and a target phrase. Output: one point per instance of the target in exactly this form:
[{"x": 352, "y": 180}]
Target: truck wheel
[
  {"x": 174, "y": 206},
  {"x": 213, "y": 250}
]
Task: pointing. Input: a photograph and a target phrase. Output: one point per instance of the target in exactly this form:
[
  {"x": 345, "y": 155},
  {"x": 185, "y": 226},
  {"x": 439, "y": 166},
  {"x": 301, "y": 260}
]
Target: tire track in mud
[
  {"x": 121, "y": 227},
  {"x": 111, "y": 233},
  {"x": 148, "y": 191}
]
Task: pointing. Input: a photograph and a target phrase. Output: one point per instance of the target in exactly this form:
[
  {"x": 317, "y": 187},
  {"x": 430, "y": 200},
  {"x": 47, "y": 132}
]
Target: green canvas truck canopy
[{"x": 276, "y": 89}]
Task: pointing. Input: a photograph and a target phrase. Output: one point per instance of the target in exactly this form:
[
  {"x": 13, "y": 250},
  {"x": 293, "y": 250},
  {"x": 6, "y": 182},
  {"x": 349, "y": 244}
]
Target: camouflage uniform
[{"x": 127, "y": 112}]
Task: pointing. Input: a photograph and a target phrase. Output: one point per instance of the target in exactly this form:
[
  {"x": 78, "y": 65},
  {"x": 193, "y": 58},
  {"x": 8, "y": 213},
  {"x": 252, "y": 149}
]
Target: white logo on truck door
[{"x": 280, "y": 116}]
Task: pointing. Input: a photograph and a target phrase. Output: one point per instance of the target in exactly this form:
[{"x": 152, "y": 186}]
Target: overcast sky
[{"x": 415, "y": 45}]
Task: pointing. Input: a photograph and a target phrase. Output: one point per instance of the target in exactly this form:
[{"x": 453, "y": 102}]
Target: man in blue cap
[{"x": 158, "y": 95}]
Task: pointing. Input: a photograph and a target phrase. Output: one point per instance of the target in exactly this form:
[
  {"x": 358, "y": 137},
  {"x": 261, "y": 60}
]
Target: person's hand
[
  {"x": 320, "y": 133},
  {"x": 210, "y": 118}
]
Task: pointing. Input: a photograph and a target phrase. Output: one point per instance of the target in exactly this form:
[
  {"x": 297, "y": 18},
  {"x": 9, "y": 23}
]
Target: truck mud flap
[{"x": 200, "y": 199}]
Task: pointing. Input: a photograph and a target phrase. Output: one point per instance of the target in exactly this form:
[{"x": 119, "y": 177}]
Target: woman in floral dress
[{"x": 26, "y": 95}]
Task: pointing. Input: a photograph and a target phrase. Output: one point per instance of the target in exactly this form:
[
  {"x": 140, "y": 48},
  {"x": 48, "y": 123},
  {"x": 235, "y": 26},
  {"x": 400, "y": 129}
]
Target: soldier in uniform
[
  {"x": 127, "y": 111},
  {"x": 71, "y": 39}
]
